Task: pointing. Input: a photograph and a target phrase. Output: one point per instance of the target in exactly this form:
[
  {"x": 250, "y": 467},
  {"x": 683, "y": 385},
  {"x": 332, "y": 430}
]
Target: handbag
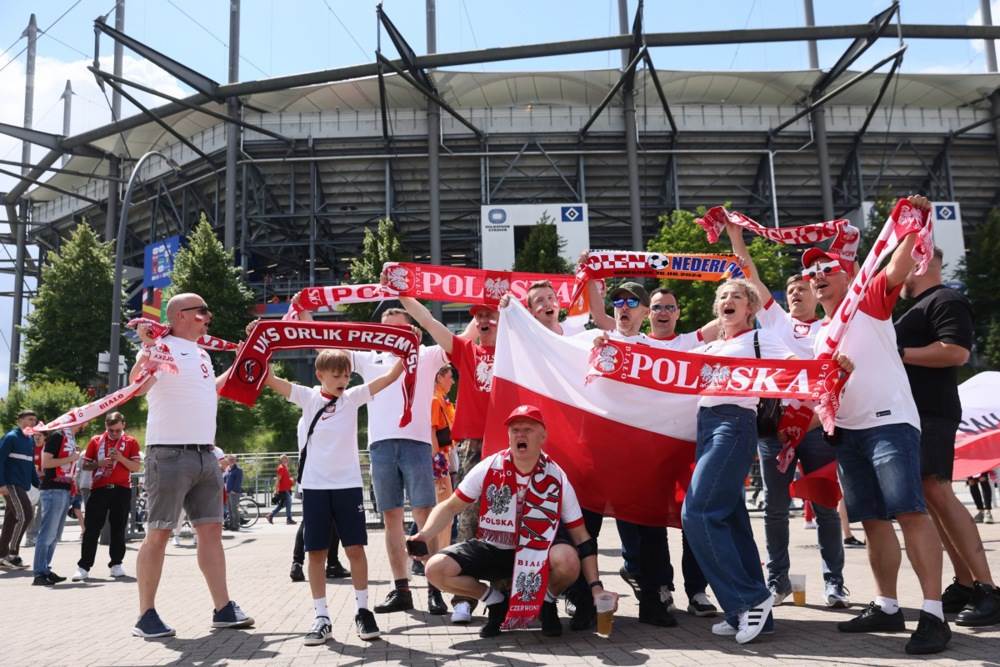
[{"x": 769, "y": 409}]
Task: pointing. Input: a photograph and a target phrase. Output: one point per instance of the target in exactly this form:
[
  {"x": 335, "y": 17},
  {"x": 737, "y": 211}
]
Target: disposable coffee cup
[
  {"x": 798, "y": 582},
  {"x": 605, "y": 603}
]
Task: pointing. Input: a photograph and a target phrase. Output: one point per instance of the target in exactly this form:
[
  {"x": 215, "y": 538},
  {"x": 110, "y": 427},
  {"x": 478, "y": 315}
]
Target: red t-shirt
[
  {"x": 284, "y": 479},
  {"x": 115, "y": 474},
  {"x": 475, "y": 369}
]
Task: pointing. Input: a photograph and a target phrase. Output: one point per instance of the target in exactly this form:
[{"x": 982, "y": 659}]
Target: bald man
[{"x": 181, "y": 468}]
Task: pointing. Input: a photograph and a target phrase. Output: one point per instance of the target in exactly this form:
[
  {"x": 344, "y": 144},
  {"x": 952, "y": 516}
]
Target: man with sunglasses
[
  {"x": 797, "y": 328},
  {"x": 878, "y": 445},
  {"x": 181, "y": 468}
]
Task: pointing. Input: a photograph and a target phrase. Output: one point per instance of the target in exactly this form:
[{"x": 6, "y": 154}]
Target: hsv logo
[
  {"x": 496, "y": 216},
  {"x": 571, "y": 213},
  {"x": 945, "y": 212},
  {"x": 249, "y": 371}
]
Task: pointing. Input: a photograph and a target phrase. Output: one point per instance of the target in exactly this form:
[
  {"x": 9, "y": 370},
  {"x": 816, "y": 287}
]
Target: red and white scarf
[
  {"x": 246, "y": 378},
  {"x": 314, "y": 298},
  {"x": 600, "y": 264},
  {"x": 845, "y": 236},
  {"x": 529, "y": 526},
  {"x": 104, "y": 447},
  {"x": 903, "y": 221},
  {"x": 158, "y": 330}
]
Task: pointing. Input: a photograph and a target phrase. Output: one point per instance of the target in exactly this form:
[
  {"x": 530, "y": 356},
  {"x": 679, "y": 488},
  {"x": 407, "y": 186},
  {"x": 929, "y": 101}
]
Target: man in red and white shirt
[
  {"x": 499, "y": 550},
  {"x": 113, "y": 457},
  {"x": 878, "y": 445}
]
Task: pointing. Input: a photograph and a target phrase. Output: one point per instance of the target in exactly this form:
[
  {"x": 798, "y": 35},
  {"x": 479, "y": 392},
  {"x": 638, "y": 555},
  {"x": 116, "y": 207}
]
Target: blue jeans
[
  {"x": 813, "y": 452},
  {"x": 284, "y": 500},
  {"x": 54, "y": 505},
  {"x": 880, "y": 471},
  {"x": 715, "y": 515}
]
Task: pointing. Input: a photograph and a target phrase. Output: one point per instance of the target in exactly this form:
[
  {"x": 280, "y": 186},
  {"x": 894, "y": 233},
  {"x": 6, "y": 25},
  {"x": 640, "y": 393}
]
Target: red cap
[
  {"x": 479, "y": 306},
  {"x": 525, "y": 412},
  {"x": 812, "y": 255}
]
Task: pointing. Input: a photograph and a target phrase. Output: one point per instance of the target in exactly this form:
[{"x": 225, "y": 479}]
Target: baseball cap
[
  {"x": 813, "y": 255},
  {"x": 479, "y": 306},
  {"x": 635, "y": 289},
  {"x": 26, "y": 413},
  {"x": 525, "y": 412}
]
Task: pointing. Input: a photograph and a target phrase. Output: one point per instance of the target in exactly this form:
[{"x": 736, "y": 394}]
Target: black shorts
[
  {"x": 322, "y": 508},
  {"x": 481, "y": 560},
  {"x": 937, "y": 447}
]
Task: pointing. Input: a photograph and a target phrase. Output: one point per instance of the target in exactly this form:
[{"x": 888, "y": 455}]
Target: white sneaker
[
  {"x": 753, "y": 620},
  {"x": 117, "y": 571},
  {"x": 319, "y": 633},
  {"x": 462, "y": 613},
  {"x": 723, "y": 629},
  {"x": 81, "y": 574},
  {"x": 177, "y": 541},
  {"x": 837, "y": 596},
  {"x": 810, "y": 525},
  {"x": 667, "y": 598},
  {"x": 779, "y": 597},
  {"x": 988, "y": 516}
]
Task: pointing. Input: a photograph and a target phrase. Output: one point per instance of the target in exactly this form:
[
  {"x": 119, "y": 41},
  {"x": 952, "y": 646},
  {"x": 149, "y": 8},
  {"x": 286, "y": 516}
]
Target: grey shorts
[{"x": 182, "y": 478}]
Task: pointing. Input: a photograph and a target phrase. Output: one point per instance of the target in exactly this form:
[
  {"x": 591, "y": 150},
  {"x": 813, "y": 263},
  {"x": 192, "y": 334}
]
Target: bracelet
[{"x": 596, "y": 583}]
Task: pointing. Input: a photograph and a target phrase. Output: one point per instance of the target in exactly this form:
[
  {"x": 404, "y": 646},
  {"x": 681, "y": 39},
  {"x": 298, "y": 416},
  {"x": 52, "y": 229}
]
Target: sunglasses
[
  {"x": 826, "y": 268},
  {"x": 663, "y": 307},
  {"x": 631, "y": 302},
  {"x": 202, "y": 310}
]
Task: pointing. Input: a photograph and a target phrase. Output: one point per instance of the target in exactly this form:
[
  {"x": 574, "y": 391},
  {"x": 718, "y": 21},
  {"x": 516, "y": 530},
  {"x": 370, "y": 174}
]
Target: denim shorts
[
  {"x": 880, "y": 471},
  {"x": 399, "y": 464}
]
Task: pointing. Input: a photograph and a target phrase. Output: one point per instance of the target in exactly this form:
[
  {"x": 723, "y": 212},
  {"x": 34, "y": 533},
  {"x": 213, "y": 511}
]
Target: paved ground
[{"x": 88, "y": 624}]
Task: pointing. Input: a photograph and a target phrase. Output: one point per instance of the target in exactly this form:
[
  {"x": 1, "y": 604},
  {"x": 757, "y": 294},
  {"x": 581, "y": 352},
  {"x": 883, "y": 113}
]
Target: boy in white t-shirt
[{"x": 330, "y": 476}]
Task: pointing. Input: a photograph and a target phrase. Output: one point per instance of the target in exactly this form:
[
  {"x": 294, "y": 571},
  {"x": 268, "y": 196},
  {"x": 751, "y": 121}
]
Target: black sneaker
[
  {"x": 435, "y": 603},
  {"x": 231, "y": 616},
  {"x": 873, "y": 619},
  {"x": 150, "y": 626},
  {"x": 364, "y": 620},
  {"x": 16, "y": 562},
  {"x": 853, "y": 543},
  {"x": 551, "y": 625},
  {"x": 320, "y": 632},
  {"x": 956, "y": 596},
  {"x": 396, "y": 600},
  {"x": 630, "y": 580},
  {"x": 417, "y": 568},
  {"x": 336, "y": 571},
  {"x": 931, "y": 636},
  {"x": 54, "y": 578},
  {"x": 41, "y": 580},
  {"x": 654, "y": 612},
  {"x": 585, "y": 614},
  {"x": 983, "y": 609},
  {"x": 495, "y": 613},
  {"x": 296, "y": 574}
]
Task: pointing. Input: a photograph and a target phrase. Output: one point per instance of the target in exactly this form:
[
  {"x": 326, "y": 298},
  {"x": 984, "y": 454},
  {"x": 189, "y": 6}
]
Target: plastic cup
[
  {"x": 605, "y": 603},
  {"x": 798, "y": 582}
]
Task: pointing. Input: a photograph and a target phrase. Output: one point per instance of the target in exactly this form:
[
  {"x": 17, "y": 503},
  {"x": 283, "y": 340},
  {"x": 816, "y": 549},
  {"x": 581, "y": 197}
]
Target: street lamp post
[{"x": 116, "y": 294}]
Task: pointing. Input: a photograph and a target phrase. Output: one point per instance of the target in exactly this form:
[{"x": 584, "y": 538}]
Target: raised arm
[
  {"x": 710, "y": 331},
  {"x": 380, "y": 383},
  {"x": 439, "y": 332},
  {"x": 902, "y": 261},
  {"x": 740, "y": 249},
  {"x": 277, "y": 384},
  {"x": 598, "y": 315}
]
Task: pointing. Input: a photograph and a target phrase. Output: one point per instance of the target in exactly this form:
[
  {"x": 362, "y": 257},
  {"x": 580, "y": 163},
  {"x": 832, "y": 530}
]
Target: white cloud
[{"x": 978, "y": 45}]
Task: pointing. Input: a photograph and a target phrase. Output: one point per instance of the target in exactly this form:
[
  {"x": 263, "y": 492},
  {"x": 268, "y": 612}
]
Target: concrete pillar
[
  {"x": 232, "y": 129},
  {"x": 631, "y": 149},
  {"x": 818, "y": 120}
]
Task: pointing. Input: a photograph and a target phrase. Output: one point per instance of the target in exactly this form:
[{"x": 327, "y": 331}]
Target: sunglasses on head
[
  {"x": 202, "y": 310},
  {"x": 826, "y": 268},
  {"x": 663, "y": 306},
  {"x": 631, "y": 302}
]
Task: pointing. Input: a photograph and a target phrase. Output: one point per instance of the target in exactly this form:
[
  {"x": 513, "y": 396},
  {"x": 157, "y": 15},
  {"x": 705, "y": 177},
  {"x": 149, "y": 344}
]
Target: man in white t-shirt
[
  {"x": 878, "y": 445},
  {"x": 543, "y": 303},
  {"x": 491, "y": 555},
  {"x": 797, "y": 329},
  {"x": 181, "y": 471},
  {"x": 330, "y": 477}
]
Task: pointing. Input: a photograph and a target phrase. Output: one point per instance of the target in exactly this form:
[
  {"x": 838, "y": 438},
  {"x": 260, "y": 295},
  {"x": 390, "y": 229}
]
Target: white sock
[
  {"x": 491, "y": 596},
  {"x": 361, "y": 597},
  {"x": 888, "y": 605},
  {"x": 319, "y": 604},
  {"x": 934, "y": 607},
  {"x": 549, "y": 597}
]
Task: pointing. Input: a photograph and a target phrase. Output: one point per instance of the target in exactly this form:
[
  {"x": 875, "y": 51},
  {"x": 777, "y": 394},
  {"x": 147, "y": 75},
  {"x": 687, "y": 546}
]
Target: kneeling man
[{"x": 523, "y": 495}]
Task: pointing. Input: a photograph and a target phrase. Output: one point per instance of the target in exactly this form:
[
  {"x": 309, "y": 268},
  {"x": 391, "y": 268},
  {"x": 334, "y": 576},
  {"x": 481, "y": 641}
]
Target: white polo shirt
[
  {"x": 182, "y": 407},
  {"x": 878, "y": 391},
  {"x": 332, "y": 458}
]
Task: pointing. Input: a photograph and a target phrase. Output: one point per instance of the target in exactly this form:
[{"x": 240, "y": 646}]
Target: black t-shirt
[
  {"x": 52, "y": 445},
  {"x": 938, "y": 314}
]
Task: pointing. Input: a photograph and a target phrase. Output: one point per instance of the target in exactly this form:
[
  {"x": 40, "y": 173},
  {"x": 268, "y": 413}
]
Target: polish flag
[
  {"x": 977, "y": 444},
  {"x": 628, "y": 450}
]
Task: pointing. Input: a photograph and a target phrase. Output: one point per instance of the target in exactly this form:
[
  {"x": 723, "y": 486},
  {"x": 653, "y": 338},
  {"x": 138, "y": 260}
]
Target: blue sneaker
[
  {"x": 231, "y": 616},
  {"x": 150, "y": 626}
]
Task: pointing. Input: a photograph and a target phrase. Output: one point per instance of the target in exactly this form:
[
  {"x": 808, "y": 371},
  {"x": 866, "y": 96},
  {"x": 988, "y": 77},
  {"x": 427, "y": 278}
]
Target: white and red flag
[
  {"x": 977, "y": 445},
  {"x": 628, "y": 450}
]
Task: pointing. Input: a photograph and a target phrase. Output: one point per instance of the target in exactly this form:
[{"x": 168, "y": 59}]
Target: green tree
[
  {"x": 680, "y": 233},
  {"x": 991, "y": 345},
  {"x": 49, "y": 399},
  {"x": 277, "y": 416},
  {"x": 540, "y": 253},
  {"x": 70, "y": 322},
  {"x": 981, "y": 275},
  {"x": 380, "y": 245},
  {"x": 11, "y": 404},
  {"x": 206, "y": 268}
]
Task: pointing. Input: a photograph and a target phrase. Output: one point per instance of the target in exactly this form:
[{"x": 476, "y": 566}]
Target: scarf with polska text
[
  {"x": 846, "y": 237},
  {"x": 601, "y": 264},
  {"x": 903, "y": 221},
  {"x": 530, "y": 534},
  {"x": 246, "y": 378}
]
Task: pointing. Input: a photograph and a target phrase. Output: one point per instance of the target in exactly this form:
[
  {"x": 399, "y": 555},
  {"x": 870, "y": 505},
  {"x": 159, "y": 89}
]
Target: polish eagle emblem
[
  {"x": 496, "y": 288},
  {"x": 498, "y": 498},
  {"x": 528, "y": 585},
  {"x": 398, "y": 278},
  {"x": 715, "y": 375}
]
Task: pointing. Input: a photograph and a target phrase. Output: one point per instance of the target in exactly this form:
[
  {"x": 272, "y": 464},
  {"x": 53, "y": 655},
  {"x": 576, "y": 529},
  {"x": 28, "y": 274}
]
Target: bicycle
[{"x": 249, "y": 512}]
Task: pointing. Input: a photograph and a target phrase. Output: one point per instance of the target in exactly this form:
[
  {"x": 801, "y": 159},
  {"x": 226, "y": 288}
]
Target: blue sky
[{"x": 289, "y": 36}]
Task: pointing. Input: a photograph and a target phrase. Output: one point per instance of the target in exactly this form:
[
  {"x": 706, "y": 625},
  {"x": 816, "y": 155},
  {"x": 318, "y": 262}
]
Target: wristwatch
[{"x": 596, "y": 583}]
